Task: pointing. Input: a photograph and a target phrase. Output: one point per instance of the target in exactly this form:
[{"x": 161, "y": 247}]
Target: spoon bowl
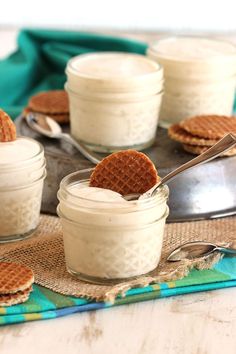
[
  {"x": 197, "y": 249},
  {"x": 48, "y": 127}
]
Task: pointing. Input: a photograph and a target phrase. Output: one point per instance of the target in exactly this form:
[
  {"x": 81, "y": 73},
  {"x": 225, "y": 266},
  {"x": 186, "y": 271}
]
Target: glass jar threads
[{"x": 115, "y": 100}]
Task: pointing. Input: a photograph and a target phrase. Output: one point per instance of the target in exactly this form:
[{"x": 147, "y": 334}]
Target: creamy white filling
[
  {"x": 113, "y": 65},
  {"x": 18, "y": 150},
  {"x": 96, "y": 194}
]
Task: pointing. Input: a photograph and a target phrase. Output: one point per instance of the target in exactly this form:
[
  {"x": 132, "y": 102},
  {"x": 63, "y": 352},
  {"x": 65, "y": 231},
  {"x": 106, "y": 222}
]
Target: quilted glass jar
[
  {"x": 107, "y": 238},
  {"x": 200, "y": 77},
  {"x": 114, "y": 100},
  {"x": 22, "y": 172}
]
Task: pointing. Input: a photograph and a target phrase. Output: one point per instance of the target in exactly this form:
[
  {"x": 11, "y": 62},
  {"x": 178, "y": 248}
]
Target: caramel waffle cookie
[
  {"x": 177, "y": 133},
  {"x": 209, "y": 126},
  {"x": 16, "y": 298},
  {"x": 50, "y": 102},
  {"x": 125, "y": 172},
  {"x": 14, "y": 277},
  {"x": 198, "y": 150},
  {"x": 7, "y": 128}
]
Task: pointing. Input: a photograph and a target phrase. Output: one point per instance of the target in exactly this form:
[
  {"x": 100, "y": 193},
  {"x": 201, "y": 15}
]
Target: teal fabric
[
  {"x": 46, "y": 304},
  {"x": 40, "y": 60}
]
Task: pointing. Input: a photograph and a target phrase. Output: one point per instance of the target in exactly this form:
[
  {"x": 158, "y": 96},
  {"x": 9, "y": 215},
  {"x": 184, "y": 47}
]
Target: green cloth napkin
[{"x": 40, "y": 60}]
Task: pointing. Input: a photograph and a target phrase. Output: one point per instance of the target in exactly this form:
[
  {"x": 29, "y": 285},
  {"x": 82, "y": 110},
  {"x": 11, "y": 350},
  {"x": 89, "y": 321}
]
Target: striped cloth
[{"x": 45, "y": 304}]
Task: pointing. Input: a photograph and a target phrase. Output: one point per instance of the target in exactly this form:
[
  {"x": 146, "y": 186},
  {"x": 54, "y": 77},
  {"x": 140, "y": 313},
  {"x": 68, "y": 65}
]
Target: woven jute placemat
[{"x": 44, "y": 254}]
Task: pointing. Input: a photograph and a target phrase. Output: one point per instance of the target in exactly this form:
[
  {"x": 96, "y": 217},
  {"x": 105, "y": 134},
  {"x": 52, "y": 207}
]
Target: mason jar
[
  {"x": 114, "y": 100},
  {"x": 200, "y": 77},
  {"x": 22, "y": 172},
  {"x": 109, "y": 239}
]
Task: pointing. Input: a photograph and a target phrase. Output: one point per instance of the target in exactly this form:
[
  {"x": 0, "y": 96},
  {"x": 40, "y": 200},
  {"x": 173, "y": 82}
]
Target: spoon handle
[
  {"x": 89, "y": 154},
  {"x": 224, "y": 144},
  {"x": 228, "y": 251}
]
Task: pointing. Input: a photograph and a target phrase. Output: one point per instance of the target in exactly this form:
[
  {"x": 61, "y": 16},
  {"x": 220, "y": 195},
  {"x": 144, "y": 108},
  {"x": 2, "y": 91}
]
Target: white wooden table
[{"x": 201, "y": 323}]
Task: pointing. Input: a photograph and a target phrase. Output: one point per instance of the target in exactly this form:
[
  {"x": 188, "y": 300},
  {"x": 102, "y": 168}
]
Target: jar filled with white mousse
[
  {"x": 114, "y": 100},
  {"x": 107, "y": 238},
  {"x": 22, "y": 172},
  {"x": 200, "y": 76}
]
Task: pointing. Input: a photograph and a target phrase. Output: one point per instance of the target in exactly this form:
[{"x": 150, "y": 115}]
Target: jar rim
[
  {"x": 71, "y": 66},
  {"x": 152, "y": 49},
  {"x": 162, "y": 191},
  {"x": 16, "y": 164},
  {"x": 99, "y": 96}
]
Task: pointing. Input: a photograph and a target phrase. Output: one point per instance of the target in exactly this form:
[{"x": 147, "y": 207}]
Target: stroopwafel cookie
[
  {"x": 177, "y": 133},
  {"x": 209, "y": 126},
  {"x": 125, "y": 172},
  {"x": 53, "y": 103},
  {"x": 198, "y": 150},
  {"x": 7, "y": 128},
  {"x": 14, "y": 277},
  {"x": 16, "y": 298}
]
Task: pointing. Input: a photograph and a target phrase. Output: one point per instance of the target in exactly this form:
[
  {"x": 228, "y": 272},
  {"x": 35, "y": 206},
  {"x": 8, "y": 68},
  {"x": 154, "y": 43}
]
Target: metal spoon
[
  {"x": 197, "y": 249},
  {"x": 224, "y": 144},
  {"x": 49, "y": 127}
]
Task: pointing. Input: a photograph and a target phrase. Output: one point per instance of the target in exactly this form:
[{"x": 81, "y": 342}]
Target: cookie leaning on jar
[
  {"x": 107, "y": 238},
  {"x": 22, "y": 172}
]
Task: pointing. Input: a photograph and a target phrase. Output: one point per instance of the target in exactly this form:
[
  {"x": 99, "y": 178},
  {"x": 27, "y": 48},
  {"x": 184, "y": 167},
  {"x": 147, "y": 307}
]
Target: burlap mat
[{"x": 44, "y": 254}]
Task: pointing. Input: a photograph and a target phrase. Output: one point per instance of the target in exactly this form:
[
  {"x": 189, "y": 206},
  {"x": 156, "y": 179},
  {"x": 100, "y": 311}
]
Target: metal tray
[{"x": 207, "y": 191}]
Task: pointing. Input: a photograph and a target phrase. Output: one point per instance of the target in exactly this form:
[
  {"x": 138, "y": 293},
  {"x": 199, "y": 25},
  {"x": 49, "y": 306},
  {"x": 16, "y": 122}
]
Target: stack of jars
[
  {"x": 115, "y": 100},
  {"x": 22, "y": 172},
  {"x": 200, "y": 76}
]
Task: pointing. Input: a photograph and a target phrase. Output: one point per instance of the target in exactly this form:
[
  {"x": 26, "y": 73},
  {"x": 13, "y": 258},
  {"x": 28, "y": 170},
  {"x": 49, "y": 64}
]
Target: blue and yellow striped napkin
[{"x": 46, "y": 304}]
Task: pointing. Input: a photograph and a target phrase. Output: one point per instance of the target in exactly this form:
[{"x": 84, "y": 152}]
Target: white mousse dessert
[
  {"x": 107, "y": 237},
  {"x": 114, "y": 99}
]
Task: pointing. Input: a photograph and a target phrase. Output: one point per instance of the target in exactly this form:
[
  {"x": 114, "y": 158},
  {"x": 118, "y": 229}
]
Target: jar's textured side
[
  {"x": 20, "y": 209},
  {"x": 180, "y": 104},
  {"x": 109, "y": 124},
  {"x": 112, "y": 254}
]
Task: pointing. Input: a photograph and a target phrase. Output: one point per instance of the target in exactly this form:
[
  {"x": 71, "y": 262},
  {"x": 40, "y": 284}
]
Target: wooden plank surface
[{"x": 203, "y": 323}]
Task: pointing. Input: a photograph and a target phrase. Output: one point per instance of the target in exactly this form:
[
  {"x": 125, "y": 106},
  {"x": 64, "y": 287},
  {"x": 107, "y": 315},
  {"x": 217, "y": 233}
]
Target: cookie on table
[
  {"x": 16, "y": 298},
  {"x": 54, "y": 103},
  {"x": 177, "y": 133},
  {"x": 125, "y": 172},
  {"x": 209, "y": 126},
  {"x": 197, "y": 150},
  {"x": 15, "y": 283},
  {"x": 198, "y": 133}
]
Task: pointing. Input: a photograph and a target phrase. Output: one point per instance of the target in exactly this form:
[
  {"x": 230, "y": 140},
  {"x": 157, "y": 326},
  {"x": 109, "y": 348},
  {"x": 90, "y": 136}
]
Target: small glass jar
[
  {"x": 109, "y": 241},
  {"x": 22, "y": 172},
  {"x": 114, "y": 99},
  {"x": 200, "y": 77}
]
